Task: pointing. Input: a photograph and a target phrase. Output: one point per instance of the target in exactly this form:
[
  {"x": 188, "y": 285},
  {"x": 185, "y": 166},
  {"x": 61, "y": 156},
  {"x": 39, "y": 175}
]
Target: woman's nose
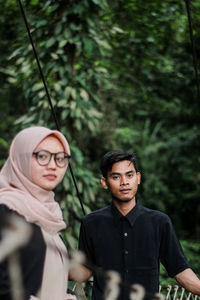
[{"x": 52, "y": 163}]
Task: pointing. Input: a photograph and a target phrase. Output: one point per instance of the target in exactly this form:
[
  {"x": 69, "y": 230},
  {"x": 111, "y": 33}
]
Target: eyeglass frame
[{"x": 50, "y": 157}]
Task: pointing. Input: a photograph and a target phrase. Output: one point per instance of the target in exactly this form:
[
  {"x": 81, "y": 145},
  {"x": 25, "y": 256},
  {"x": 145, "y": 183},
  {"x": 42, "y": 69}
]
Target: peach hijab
[{"x": 19, "y": 193}]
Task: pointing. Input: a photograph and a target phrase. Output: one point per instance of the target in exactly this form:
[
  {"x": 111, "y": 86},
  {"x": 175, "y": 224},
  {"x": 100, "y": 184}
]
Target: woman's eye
[
  {"x": 59, "y": 158},
  {"x": 42, "y": 156}
]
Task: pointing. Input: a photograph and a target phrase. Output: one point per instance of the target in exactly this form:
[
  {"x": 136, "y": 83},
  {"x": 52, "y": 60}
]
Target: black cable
[
  {"x": 48, "y": 96},
  {"x": 194, "y": 55},
  {"x": 77, "y": 191},
  {"x": 39, "y": 66}
]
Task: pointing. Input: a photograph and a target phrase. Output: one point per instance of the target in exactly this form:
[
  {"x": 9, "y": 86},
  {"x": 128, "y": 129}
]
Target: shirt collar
[{"x": 130, "y": 217}]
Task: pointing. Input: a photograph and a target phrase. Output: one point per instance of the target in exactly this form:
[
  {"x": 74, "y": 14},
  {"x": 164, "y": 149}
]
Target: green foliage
[
  {"x": 120, "y": 76},
  {"x": 154, "y": 98},
  {"x": 191, "y": 250}
]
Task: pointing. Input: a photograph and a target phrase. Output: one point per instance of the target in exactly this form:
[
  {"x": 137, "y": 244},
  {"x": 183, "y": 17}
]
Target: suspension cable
[
  {"x": 48, "y": 97},
  {"x": 194, "y": 55}
]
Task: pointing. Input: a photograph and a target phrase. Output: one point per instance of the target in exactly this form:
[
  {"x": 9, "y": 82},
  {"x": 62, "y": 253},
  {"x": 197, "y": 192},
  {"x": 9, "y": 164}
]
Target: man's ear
[
  {"x": 139, "y": 177},
  {"x": 104, "y": 183}
]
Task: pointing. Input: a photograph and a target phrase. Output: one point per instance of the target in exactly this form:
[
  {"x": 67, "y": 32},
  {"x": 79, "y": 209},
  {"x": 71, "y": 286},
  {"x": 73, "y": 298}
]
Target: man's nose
[{"x": 123, "y": 180}]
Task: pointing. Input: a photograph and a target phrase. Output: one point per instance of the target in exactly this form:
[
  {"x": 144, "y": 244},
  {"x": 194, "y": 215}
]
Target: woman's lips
[{"x": 50, "y": 177}]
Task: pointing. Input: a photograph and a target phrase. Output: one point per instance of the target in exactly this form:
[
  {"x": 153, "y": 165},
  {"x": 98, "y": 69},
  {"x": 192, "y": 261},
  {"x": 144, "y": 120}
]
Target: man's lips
[{"x": 125, "y": 191}]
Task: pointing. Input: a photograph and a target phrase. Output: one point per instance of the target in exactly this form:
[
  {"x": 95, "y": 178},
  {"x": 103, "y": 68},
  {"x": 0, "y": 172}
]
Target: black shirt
[
  {"x": 31, "y": 257},
  {"x": 133, "y": 245}
]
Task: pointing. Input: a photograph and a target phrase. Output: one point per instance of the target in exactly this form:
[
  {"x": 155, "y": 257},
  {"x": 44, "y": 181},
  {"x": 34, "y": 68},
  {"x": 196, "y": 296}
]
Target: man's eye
[
  {"x": 115, "y": 177},
  {"x": 130, "y": 175}
]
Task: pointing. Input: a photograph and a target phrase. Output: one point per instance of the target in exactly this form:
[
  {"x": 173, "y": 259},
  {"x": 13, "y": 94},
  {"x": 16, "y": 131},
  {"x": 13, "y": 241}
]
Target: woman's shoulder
[
  {"x": 4, "y": 209},
  {"x": 6, "y": 213}
]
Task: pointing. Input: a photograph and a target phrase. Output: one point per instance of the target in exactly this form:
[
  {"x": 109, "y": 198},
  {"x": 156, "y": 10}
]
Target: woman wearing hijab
[{"x": 37, "y": 162}]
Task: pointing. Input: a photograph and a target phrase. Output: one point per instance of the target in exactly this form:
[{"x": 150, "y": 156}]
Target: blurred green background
[{"x": 121, "y": 76}]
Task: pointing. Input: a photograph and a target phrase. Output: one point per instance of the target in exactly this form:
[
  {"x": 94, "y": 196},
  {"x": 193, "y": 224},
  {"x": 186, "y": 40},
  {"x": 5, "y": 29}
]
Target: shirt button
[
  {"x": 126, "y": 252},
  {"x": 125, "y": 234}
]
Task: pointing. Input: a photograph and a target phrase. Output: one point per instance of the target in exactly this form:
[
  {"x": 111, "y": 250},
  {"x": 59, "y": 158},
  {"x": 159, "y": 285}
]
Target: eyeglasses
[{"x": 44, "y": 157}]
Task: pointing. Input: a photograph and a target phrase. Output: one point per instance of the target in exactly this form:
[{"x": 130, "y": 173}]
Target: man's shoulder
[
  {"x": 98, "y": 214},
  {"x": 153, "y": 213}
]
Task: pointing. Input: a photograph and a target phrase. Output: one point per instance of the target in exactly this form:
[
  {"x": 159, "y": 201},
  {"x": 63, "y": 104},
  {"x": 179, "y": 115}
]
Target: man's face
[{"x": 122, "y": 181}]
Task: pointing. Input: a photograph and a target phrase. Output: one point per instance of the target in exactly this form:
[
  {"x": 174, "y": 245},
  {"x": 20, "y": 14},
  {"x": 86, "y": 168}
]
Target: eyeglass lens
[{"x": 43, "y": 157}]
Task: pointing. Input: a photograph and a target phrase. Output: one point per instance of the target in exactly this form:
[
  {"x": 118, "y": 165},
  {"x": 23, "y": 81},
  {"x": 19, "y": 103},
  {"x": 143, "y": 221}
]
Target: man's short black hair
[{"x": 114, "y": 156}]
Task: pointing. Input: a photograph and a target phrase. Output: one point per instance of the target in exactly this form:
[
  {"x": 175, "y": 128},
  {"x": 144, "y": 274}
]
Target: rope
[
  {"x": 194, "y": 55},
  {"x": 48, "y": 97}
]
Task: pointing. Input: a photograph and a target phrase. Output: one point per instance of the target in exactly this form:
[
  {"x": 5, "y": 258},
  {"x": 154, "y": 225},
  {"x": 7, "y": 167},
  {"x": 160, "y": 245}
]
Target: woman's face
[{"x": 50, "y": 175}]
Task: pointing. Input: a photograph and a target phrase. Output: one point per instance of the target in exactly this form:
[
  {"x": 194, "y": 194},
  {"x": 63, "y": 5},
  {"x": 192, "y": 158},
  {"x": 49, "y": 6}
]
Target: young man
[{"x": 129, "y": 238}]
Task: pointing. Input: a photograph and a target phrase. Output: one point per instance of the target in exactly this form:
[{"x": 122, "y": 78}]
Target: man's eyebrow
[{"x": 114, "y": 173}]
